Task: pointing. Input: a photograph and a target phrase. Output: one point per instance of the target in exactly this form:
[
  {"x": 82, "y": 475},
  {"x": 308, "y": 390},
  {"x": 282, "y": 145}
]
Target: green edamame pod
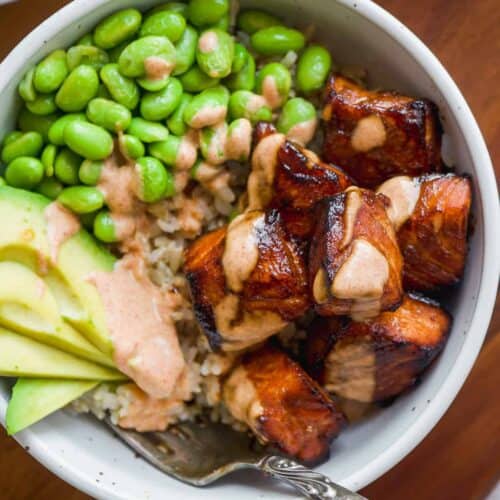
[
  {"x": 186, "y": 50},
  {"x": 240, "y": 58},
  {"x": 44, "y": 104},
  {"x": 11, "y": 137},
  {"x": 66, "y": 166},
  {"x": 88, "y": 140},
  {"x": 28, "y": 144},
  {"x": 157, "y": 50},
  {"x": 313, "y": 68},
  {"x": 50, "y": 187},
  {"x": 81, "y": 199},
  {"x": 207, "y": 108},
  {"x": 105, "y": 228},
  {"x": 274, "y": 82},
  {"x": 298, "y": 120},
  {"x": 252, "y": 20},
  {"x": 147, "y": 131},
  {"x": 108, "y": 114},
  {"x": 215, "y": 53},
  {"x": 26, "y": 88},
  {"x": 87, "y": 39},
  {"x": 277, "y": 40},
  {"x": 51, "y": 72},
  {"x": 123, "y": 90},
  {"x": 207, "y": 12},
  {"x": 131, "y": 147},
  {"x": 165, "y": 23},
  {"x": 153, "y": 179},
  {"x": 196, "y": 80},
  {"x": 156, "y": 106},
  {"x": 167, "y": 150},
  {"x": 78, "y": 89},
  {"x": 24, "y": 172},
  {"x": 56, "y": 131},
  {"x": 89, "y": 172},
  {"x": 117, "y": 28},
  {"x": 28, "y": 122},
  {"x": 88, "y": 55},
  {"x": 48, "y": 158},
  {"x": 244, "y": 79},
  {"x": 246, "y": 104},
  {"x": 176, "y": 123}
]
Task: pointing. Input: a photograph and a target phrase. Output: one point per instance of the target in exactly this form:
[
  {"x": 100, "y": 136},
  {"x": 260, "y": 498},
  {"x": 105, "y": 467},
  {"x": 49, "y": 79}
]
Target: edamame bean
[
  {"x": 165, "y": 23},
  {"x": 207, "y": 12},
  {"x": 298, "y": 120},
  {"x": 50, "y": 187},
  {"x": 153, "y": 84},
  {"x": 115, "y": 53},
  {"x": 147, "y": 131},
  {"x": 28, "y": 122},
  {"x": 78, "y": 89},
  {"x": 196, "y": 80},
  {"x": 176, "y": 123},
  {"x": 240, "y": 58},
  {"x": 56, "y": 131},
  {"x": 81, "y": 199},
  {"x": 213, "y": 143},
  {"x": 51, "y": 72},
  {"x": 104, "y": 227},
  {"x": 48, "y": 159},
  {"x": 108, "y": 114},
  {"x": 123, "y": 90},
  {"x": 274, "y": 82},
  {"x": 117, "y": 28},
  {"x": 167, "y": 150},
  {"x": 277, "y": 40},
  {"x": 103, "y": 92},
  {"x": 11, "y": 137},
  {"x": 27, "y": 144},
  {"x": 153, "y": 179},
  {"x": 66, "y": 166},
  {"x": 131, "y": 147},
  {"x": 90, "y": 172},
  {"x": 88, "y": 140},
  {"x": 87, "y": 39},
  {"x": 186, "y": 50},
  {"x": 24, "y": 172},
  {"x": 207, "y": 108},
  {"x": 26, "y": 88},
  {"x": 224, "y": 23},
  {"x": 156, "y": 106},
  {"x": 244, "y": 79},
  {"x": 44, "y": 104},
  {"x": 179, "y": 7},
  {"x": 2, "y": 182},
  {"x": 313, "y": 68},
  {"x": 151, "y": 56},
  {"x": 215, "y": 53},
  {"x": 239, "y": 140},
  {"x": 246, "y": 104},
  {"x": 252, "y": 20},
  {"x": 88, "y": 55}
]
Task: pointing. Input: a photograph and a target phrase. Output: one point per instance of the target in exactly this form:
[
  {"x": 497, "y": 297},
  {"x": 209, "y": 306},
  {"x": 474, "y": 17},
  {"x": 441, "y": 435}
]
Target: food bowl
[{"x": 83, "y": 452}]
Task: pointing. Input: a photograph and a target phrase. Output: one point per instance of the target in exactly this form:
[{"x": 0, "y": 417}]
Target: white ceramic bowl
[{"x": 86, "y": 455}]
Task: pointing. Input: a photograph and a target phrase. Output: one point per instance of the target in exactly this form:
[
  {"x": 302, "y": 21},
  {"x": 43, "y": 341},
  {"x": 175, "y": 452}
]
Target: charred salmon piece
[
  {"x": 378, "y": 359},
  {"x": 355, "y": 266},
  {"x": 374, "y": 135},
  {"x": 291, "y": 178},
  {"x": 276, "y": 398},
  {"x": 247, "y": 280},
  {"x": 431, "y": 217}
]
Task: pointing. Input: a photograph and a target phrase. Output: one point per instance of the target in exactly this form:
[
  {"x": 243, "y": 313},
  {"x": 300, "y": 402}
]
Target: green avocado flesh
[{"x": 34, "y": 399}]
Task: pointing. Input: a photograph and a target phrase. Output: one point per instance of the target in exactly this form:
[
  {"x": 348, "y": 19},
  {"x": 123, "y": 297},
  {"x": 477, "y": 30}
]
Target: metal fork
[{"x": 201, "y": 453}]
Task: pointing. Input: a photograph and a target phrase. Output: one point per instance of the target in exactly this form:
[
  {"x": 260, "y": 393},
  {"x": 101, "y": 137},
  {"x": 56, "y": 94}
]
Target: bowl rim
[{"x": 487, "y": 186}]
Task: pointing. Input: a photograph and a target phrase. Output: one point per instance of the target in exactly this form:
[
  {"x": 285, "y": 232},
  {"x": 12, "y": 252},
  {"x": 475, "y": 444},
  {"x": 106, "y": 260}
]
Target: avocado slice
[
  {"x": 23, "y": 239},
  {"x": 23, "y": 357},
  {"x": 34, "y": 399},
  {"x": 27, "y": 306}
]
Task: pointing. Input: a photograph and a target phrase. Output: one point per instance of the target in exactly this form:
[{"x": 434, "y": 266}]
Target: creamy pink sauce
[
  {"x": 208, "y": 116},
  {"x": 157, "y": 68},
  {"x": 118, "y": 184},
  {"x": 125, "y": 226},
  {"x": 61, "y": 225},
  {"x": 208, "y": 42},
  {"x": 255, "y": 102},
  {"x": 138, "y": 317},
  {"x": 271, "y": 93},
  {"x": 188, "y": 150},
  {"x": 239, "y": 141},
  {"x": 369, "y": 134},
  {"x": 303, "y": 133}
]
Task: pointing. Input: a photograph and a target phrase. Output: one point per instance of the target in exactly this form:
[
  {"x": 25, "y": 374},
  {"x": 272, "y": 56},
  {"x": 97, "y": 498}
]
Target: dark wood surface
[{"x": 460, "y": 459}]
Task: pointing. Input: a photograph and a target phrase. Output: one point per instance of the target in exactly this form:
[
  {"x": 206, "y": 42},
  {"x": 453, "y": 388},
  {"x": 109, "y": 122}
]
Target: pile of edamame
[{"x": 140, "y": 82}]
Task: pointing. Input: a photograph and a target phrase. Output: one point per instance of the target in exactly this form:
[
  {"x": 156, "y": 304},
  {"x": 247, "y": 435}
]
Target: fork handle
[{"x": 310, "y": 483}]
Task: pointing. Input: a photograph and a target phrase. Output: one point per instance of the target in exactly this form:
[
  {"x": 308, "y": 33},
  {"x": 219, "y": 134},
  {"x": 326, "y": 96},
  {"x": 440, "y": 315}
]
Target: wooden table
[{"x": 460, "y": 459}]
